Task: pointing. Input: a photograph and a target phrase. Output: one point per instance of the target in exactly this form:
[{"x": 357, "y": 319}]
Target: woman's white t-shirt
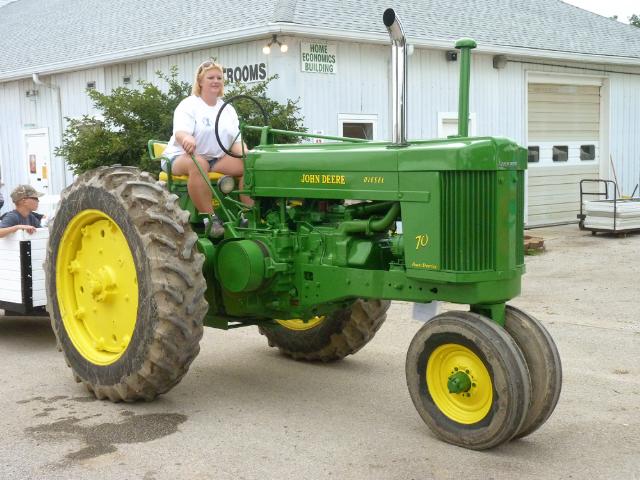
[{"x": 194, "y": 116}]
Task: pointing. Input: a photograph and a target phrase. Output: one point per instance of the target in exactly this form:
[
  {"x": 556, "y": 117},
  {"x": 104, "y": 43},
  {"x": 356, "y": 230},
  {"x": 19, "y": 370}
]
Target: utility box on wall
[{"x": 22, "y": 289}]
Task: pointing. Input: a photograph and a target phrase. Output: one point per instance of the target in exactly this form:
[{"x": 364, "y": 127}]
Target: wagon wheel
[
  {"x": 468, "y": 380},
  {"x": 330, "y": 337},
  {"x": 124, "y": 284},
  {"x": 543, "y": 362},
  {"x": 232, "y": 100}
]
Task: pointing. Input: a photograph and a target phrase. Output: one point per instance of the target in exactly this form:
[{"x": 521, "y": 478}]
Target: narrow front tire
[
  {"x": 468, "y": 380},
  {"x": 543, "y": 361}
]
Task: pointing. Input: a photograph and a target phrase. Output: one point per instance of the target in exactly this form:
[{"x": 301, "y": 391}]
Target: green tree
[
  {"x": 634, "y": 20},
  {"x": 130, "y": 117}
]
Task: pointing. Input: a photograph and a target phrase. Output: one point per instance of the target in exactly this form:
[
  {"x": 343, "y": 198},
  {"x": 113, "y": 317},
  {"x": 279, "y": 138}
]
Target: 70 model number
[{"x": 422, "y": 241}]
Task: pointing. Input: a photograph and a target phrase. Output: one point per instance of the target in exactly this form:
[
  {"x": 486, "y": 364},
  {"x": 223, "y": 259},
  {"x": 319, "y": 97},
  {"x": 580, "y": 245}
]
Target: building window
[
  {"x": 358, "y": 130},
  {"x": 587, "y": 152},
  {"x": 533, "y": 155},
  {"x": 358, "y": 125},
  {"x": 448, "y": 124},
  {"x": 560, "y": 153}
]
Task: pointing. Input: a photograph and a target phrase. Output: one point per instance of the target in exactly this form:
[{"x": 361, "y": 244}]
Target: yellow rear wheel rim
[
  {"x": 301, "y": 325},
  {"x": 466, "y": 407},
  {"x": 97, "y": 287}
]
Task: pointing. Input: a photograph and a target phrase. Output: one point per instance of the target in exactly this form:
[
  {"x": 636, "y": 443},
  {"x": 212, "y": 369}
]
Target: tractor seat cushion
[
  {"x": 156, "y": 149},
  {"x": 183, "y": 178}
]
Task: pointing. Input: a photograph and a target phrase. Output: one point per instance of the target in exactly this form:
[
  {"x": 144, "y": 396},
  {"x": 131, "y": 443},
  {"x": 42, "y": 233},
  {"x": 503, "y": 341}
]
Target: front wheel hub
[{"x": 459, "y": 382}]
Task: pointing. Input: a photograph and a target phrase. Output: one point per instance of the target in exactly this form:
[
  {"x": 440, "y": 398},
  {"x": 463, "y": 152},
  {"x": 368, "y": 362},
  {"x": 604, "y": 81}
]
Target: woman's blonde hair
[{"x": 202, "y": 69}]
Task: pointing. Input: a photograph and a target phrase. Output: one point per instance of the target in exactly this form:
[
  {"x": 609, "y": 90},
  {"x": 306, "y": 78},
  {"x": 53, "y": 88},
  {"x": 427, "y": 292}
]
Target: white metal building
[{"x": 563, "y": 81}]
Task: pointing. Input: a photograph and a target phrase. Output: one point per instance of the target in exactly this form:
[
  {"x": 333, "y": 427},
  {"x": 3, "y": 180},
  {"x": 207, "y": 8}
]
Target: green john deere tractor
[{"x": 132, "y": 275}]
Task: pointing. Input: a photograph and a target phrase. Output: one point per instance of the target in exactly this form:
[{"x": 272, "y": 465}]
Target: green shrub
[{"x": 130, "y": 117}]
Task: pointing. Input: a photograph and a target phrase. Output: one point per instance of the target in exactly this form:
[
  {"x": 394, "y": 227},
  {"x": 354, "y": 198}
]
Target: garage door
[{"x": 563, "y": 133}]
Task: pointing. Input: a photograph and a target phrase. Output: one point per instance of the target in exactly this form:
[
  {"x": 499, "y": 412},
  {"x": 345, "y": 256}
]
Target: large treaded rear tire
[
  {"x": 341, "y": 333},
  {"x": 167, "y": 325}
]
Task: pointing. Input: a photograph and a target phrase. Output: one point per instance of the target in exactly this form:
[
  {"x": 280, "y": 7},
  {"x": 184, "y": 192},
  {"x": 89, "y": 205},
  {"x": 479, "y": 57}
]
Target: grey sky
[{"x": 622, "y": 8}]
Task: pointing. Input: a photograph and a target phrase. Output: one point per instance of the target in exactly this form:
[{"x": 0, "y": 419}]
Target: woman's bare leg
[
  {"x": 229, "y": 165},
  {"x": 198, "y": 189}
]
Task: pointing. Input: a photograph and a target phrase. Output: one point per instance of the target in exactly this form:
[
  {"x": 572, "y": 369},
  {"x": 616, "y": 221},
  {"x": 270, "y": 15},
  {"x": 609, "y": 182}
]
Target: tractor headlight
[{"x": 227, "y": 184}]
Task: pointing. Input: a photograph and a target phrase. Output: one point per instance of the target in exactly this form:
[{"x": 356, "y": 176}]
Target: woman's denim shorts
[{"x": 168, "y": 162}]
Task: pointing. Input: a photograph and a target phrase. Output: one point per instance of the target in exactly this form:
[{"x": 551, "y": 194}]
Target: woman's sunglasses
[{"x": 207, "y": 64}]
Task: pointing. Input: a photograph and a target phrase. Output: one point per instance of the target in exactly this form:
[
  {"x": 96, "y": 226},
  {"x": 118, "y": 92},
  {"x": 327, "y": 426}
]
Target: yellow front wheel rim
[
  {"x": 301, "y": 325},
  {"x": 97, "y": 287},
  {"x": 468, "y": 404}
]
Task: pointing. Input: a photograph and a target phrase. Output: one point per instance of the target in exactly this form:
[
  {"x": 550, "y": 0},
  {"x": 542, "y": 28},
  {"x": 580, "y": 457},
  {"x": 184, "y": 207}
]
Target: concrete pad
[{"x": 245, "y": 412}]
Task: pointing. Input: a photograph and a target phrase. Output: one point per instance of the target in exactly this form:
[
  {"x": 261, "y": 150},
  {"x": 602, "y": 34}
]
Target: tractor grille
[{"x": 468, "y": 220}]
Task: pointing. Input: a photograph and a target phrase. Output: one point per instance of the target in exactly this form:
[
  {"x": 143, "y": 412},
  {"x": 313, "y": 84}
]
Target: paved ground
[{"x": 246, "y": 412}]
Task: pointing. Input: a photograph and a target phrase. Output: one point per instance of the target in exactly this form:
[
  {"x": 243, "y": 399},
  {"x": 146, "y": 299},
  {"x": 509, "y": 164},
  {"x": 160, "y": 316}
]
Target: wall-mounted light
[
  {"x": 274, "y": 41},
  {"x": 31, "y": 93},
  {"x": 452, "y": 56},
  {"x": 499, "y": 61}
]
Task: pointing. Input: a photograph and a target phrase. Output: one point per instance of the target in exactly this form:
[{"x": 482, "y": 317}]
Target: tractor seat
[
  {"x": 156, "y": 148},
  {"x": 215, "y": 176}
]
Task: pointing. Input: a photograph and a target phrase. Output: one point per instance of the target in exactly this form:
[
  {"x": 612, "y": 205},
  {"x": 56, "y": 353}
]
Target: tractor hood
[{"x": 369, "y": 171}]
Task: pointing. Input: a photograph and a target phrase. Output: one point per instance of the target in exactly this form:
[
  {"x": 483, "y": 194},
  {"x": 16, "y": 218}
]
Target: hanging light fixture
[{"x": 274, "y": 41}]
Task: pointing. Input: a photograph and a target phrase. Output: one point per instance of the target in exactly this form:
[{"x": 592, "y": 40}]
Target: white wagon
[{"x": 22, "y": 289}]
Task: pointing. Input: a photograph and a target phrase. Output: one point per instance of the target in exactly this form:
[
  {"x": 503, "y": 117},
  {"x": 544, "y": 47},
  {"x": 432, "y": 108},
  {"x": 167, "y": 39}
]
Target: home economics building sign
[{"x": 318, "y": 57}]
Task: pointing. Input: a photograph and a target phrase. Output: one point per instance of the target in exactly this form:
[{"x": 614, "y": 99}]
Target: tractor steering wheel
[{"x": 228, "y": 102}]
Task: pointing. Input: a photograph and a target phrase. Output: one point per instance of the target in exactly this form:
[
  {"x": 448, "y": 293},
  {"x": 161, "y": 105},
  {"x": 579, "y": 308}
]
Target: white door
[
  {"x": 37, "y": 158},
  {"x": 563, "y": 143}
]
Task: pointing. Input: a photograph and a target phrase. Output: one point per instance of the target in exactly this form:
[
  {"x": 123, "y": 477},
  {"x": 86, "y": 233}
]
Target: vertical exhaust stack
[
  {"x": 465, "y": 45},
  {"x": 398, "y": 77}
]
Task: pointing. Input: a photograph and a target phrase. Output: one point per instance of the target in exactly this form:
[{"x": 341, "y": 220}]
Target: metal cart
[{"x": 609, "y": 213}]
